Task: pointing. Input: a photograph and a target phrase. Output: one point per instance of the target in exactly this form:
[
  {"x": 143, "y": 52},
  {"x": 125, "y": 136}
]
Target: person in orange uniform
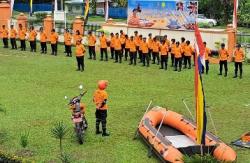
[
  {"x": 123, "y": 41},
  {"x": 118, "y": 48},
  {"x": 238, "y": 59},
  {"x": 156, "y": 49},
  {"x": 80, "y": 51},
  {"x": 166, "y": 40},
  {"x": 164, "y": 54},
  {"x": 145, "y": 50},
  {"x": 77, "y": 36},
  {"x": 22, "y": 35},
  {"x": 178, "y": 56},
  {"x": 140, "y": 50},
  {"x": 5, "y": 36},
  {"x": 150, "y": 42},
  {"x": 132, "y": 51},
  {"x": 127, "y": 47},
  {"x": 172, "y": 47},
  {"x": 223, "y": 54},
  {"x": 43, "y": 41},
  {"x": 53, "y": 42},
  {"x": 188, "y": 51},
  {"x": 13, "y": 34},
  {"x": 100, "y": 99},
  {"x": 92, "y": 41},
  {"x": 32, "y": 39},
  {"x": 103, "y": 46},
  {"x": 137, "y": 41},
  {"x": 68, "y": 43},
  {"x": 183, "y": 45},
  {"x": 207, "y": 55},
  {"x": 112, "y": 45}
]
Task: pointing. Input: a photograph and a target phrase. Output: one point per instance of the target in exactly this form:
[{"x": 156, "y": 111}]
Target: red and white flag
[{"x": 235, "y": 20}]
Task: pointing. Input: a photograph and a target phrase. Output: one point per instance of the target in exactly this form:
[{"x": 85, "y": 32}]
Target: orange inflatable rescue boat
[{"x": 171, "y": 136}]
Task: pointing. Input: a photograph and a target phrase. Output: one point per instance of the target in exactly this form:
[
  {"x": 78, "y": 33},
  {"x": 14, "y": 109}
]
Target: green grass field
[{"x": 32, "y": 89}]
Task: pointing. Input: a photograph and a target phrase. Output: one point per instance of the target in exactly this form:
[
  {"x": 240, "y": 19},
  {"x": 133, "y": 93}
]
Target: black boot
[
  {"x": 235, "y": 76},
  {"x": 98, "y": 131},
  {"x": 225, "y": 74},
  {"x": 104, "y": 133}
]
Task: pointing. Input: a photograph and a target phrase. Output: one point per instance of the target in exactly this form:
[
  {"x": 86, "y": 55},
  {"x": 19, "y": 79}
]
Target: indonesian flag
[
  {"x": 235, "y": 20},
  {"x": 201, "y": 118}
]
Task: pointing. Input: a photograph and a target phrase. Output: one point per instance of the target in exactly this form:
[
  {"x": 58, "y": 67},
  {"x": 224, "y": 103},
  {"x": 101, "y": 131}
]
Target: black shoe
[
  {"x": 225, "y": 75},
  {"x": 240, "y": 77},
  {"x": 189, "y": 67},
  {"x": 220, "y": 74},
  {"x": 98, "y": 132},
  {"x": 235, "y": 76},
  {"x": 161, "y": 68},
  {"x": 184, "y": 67},
  {"x": 77, "y": 69},
  {"x": 101, "y": 59},
  {"x": 105, "y": 134}
]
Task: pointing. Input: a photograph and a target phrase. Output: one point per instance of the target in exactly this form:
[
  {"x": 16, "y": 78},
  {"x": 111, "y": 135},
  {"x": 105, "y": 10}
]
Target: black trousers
[
  {"x": 104, "y": 51},
  {"x": 172, "y": 59},
  {"x": 13, "y": 43},
  {"x": 101, "y": 117},
  {"x": 133, "y": 57},
  {"x": 207, "y": 67},
  {"x": 43, "y": 47},
  {"x": 80, "y": 62},
  {"x": 178, "y": 62},
  {"x": 164, "y": 61},
  {"x": 156, "y": 57},
  {"x": 92, "y": 52},
  {"x": 68, "y": 50},
  {"x": 223, "y": 63},
  {"x": 187, "y": 60},
  {"x": 5, "y": 42},
  {"x": 145, "y": 59},
  {"x": 123, "y": 49},
  {"x": 54, "y": 49},
  {"x": 33, "y": 46},
  {"x": 140, "y": 55},
  {"x": 23, "y": 45},
  {"x": 126, "y": 53},
  {"x": 112, "y": 51},
  {"x": 118, "y": 56},
  {"x": 150, "y": 53},
  {"x": 238, "y": 65}
]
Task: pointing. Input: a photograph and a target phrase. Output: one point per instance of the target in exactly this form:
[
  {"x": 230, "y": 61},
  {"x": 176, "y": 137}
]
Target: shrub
[
  {"x": 5, "y": 157},
  {"x": 24, "y": 139}
]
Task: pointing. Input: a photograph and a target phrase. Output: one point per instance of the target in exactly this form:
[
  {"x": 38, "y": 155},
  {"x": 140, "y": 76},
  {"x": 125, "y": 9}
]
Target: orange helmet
[{"x": 102, "y": 84}]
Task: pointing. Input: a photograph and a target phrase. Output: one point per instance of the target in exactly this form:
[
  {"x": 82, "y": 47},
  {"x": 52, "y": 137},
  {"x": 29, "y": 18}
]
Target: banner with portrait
[{"x": 162, "y": 14}]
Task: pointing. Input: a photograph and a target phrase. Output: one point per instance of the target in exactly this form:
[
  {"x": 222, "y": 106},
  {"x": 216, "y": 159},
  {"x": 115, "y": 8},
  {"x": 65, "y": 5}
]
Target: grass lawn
[{"x": 33, "y": 89}]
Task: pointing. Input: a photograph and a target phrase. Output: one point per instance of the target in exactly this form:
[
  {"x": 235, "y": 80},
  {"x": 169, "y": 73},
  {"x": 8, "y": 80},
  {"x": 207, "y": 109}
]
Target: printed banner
[{"x": 162, "y": 14}]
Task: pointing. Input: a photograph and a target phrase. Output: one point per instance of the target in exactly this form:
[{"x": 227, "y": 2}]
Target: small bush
[{"x": 24, "y": 139}]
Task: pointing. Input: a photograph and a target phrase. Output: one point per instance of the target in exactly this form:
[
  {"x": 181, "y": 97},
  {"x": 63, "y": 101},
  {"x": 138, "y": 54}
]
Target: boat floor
[{"x": 178, "y": 139}]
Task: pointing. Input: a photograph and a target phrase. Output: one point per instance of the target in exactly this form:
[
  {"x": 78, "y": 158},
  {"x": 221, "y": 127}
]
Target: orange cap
[{"x": 102, "y": 84}]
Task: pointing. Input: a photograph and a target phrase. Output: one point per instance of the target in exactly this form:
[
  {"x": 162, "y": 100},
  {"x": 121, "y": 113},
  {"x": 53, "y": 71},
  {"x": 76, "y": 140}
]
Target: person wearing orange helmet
[{"x": 100, "y": 99}]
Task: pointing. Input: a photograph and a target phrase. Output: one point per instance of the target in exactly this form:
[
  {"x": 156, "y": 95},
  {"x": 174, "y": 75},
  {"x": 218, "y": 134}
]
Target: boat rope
[
  {"x": 136, "y": 133},
  {"x": 183, "y": 100},
  {"x": 212, "y": 121}
]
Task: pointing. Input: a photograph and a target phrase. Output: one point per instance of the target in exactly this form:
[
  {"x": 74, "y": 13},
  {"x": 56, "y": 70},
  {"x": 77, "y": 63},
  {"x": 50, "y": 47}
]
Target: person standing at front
[
  {"x": 156, "y": 49},
  {"x": 188, "y": 51},
  {"x": 223, "y": 54},
  {"x": 13, "y": 34},
  {"x": 53, "y": 42},
  {"x": 127, "y": 47},
  {"x": 238, "y": 59},
  {"x": 207, "y": 56},
  {"x": 80, "y": 51},
  {"x": 92, "y": 42},
  {"x": 100, "y": 99},
  {"x": 132, "y": 51},
  {"x": 32, "y": 39},
  {"x": 123, "y": 40},
  {"x": 103, "y": 47}
]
